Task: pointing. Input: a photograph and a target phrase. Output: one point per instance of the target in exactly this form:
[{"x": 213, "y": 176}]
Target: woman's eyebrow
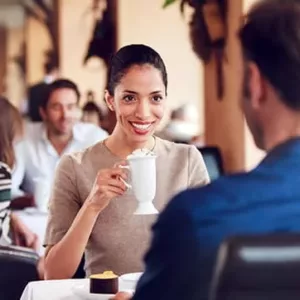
[
  {"x": 156, "y": 92},
  {"x": 131, "y": 92},
  {"x": 136, "y": 93}
]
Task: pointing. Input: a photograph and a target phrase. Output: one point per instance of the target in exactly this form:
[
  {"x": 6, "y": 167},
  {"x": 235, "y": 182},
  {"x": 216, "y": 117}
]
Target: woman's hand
[
  {"x": 22, "y": 235},
  {"x": 122, "y": 296},
  {"x": 107, "y": 186}
]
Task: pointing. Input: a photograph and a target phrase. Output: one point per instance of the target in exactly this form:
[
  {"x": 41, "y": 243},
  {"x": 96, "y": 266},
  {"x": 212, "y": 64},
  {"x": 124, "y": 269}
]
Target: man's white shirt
[{"x": 37, "y": 158}]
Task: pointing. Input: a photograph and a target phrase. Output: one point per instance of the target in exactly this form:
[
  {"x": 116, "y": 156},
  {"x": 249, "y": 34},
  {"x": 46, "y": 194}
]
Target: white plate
[
  {"x": 130, "y": 280},
  {"x": 83, "y": 290},
  {"x": 133, "y": 277}
]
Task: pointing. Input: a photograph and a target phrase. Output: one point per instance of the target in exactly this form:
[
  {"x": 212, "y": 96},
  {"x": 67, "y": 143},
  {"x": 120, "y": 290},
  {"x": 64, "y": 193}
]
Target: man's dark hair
[
  {"x": 270, "y": 38},
  {"x": 57, "y": 85}
]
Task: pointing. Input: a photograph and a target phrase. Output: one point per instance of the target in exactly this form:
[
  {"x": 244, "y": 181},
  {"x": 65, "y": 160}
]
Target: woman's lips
[{"x": 141, "y": 128}]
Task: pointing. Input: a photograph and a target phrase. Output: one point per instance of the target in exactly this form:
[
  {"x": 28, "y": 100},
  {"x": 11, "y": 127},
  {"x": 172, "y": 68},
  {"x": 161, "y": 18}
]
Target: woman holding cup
[{"x": 91, "y": 209}]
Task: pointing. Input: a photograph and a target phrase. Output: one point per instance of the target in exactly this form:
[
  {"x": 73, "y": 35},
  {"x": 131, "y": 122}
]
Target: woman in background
[
  {"x": 12, "y": 230},
  {"x": 10, "y": 224}
]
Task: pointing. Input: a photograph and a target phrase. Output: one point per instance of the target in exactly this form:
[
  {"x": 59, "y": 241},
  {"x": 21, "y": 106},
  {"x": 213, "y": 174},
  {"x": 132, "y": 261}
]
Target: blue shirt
[{"x": 186, "y": 237}]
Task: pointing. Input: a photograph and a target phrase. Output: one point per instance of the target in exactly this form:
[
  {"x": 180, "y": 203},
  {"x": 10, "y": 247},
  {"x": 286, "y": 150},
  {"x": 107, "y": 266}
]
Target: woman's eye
[
  {"x": 128, "y": 98},
  {"x": 157, "y": 98}
]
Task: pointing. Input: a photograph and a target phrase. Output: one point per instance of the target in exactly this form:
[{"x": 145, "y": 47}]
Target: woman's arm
[
  {"x": 198, "y": 175},
  {"x": 63, "y": 259},
  {"x": 22, "y": 235},
  {"x": 70, "y": 224}
]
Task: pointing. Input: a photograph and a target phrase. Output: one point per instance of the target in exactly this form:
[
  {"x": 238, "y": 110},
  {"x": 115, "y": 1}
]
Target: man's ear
[
  {"x": 42, "y": 113},
  {"x": 109, "y": 99},
  {"x": 257, "y": 85}
]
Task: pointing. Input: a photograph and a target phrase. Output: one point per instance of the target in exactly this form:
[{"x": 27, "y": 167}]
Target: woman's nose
[{"x": 143, "y": 110}]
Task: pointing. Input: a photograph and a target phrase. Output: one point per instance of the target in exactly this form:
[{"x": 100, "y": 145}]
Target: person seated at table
[
  {"x": 90, "y": 210},
  {"x": 183, "y": 126},
  {"x": 181, "y": 260},
  {"x": 12, "y": 229},
  {"x": 92, "y": 113},
  {"x": 59, "y": 133}
]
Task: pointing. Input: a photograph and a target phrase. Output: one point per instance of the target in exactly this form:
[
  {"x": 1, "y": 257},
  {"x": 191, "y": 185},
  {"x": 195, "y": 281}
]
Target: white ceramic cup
[{"x": 143, "y": 182}]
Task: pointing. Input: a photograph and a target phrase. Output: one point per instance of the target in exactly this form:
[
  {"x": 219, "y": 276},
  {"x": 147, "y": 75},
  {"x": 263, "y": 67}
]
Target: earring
[{"x": 111, "y": 107}]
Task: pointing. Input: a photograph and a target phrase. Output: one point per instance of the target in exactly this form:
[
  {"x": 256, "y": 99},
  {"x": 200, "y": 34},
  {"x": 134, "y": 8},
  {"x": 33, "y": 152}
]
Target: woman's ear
[{"x": 109, "y": 99}]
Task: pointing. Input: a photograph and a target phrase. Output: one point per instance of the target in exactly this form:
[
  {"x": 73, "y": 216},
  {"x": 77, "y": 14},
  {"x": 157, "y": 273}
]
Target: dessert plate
[
  {"x": 129, "y": 281},
  {"x": 83, "y": 291}
]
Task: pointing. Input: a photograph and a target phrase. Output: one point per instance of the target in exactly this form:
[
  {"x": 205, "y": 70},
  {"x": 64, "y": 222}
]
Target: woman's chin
[{"x": 140, "y": 138}]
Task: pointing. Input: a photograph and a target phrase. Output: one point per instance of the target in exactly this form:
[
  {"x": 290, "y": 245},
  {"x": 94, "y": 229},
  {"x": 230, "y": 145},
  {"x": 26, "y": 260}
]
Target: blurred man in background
[{"x": 59, "y": 133}]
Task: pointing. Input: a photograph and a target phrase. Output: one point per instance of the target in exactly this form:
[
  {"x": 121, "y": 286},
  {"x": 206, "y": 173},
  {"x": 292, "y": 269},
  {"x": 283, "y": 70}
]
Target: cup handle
[{"x": 129, "y": 186}]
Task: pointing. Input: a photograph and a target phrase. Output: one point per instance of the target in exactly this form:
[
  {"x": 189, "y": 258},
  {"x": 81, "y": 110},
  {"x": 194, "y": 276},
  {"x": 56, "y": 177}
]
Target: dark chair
[
  {"x": 213, "y": 160},
  {"x": 80, "y": 273},
  {"x": 258, "y": 268},
  {"x": 18, "y": 266}
]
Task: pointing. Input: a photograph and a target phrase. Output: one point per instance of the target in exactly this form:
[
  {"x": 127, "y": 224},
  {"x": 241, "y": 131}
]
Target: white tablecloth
[
  {"x": 52, "y": 290},
  {"x": 36, "y": 221},
  {"x": 64, "y": 290}
]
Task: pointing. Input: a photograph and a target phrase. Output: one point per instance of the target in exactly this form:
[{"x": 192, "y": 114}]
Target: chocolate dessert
[{"x": 105, "y": 283}]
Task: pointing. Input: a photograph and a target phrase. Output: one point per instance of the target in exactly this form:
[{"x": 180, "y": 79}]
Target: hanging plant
[
  {"x": 208, "y": 32},
  {"x": 168, "y": 2},
  {"x": 103, "y": 42}
]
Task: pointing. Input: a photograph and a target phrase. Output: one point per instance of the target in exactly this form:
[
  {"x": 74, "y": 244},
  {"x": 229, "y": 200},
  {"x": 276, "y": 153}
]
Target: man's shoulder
[
  {"x": 85, "y": 156},
  {"x": 90, "y": 130},
  {"x": 220, "y": 194},
  {"x": 33, "y": 130}
]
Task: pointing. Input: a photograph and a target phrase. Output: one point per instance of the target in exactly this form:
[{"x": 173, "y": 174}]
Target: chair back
[
  {"x": 213, "y": 160},
  {"x": 258, "y": 268},
  {"x": 18, "y": 266}
]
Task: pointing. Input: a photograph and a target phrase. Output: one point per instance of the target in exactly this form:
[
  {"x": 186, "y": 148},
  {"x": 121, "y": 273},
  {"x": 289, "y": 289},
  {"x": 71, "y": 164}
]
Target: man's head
[
  {"x": 270, "y": 40},
  {"x": 59, "y": 108}
]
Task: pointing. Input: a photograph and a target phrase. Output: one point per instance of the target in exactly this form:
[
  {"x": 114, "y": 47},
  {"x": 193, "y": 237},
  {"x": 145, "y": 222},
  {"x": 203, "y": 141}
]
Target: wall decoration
[
  {"x": 103, "y": 41},
  {"x": 208, "y": 32},
  {"x": 45, "y": 11}
]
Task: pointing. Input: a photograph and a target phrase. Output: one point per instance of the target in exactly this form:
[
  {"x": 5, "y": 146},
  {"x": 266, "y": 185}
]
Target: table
[
  {"x": 51, "y": 290},
  {"x": 62, "y": 289},
  {"x": 36, "y": 221}
]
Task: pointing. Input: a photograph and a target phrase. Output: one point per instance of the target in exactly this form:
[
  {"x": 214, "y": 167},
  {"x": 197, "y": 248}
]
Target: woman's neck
[{"x": 120, "y": 146}]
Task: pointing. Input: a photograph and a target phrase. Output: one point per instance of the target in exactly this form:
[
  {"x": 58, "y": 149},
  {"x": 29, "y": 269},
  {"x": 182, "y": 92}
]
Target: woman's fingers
[
  {"x": 114, "y": 182},
  {"x": 122, "y": 296},
  {"x": 117, "y": 183},
  {"x": 115, "y": 191},
  {"x": 114, "y": 172}
]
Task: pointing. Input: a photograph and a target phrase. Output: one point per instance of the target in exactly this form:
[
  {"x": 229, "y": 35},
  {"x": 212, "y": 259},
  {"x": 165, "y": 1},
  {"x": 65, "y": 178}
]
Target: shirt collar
[
  {"x": 289, "y": 148},
  {"x": 76, "y": 136}
]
